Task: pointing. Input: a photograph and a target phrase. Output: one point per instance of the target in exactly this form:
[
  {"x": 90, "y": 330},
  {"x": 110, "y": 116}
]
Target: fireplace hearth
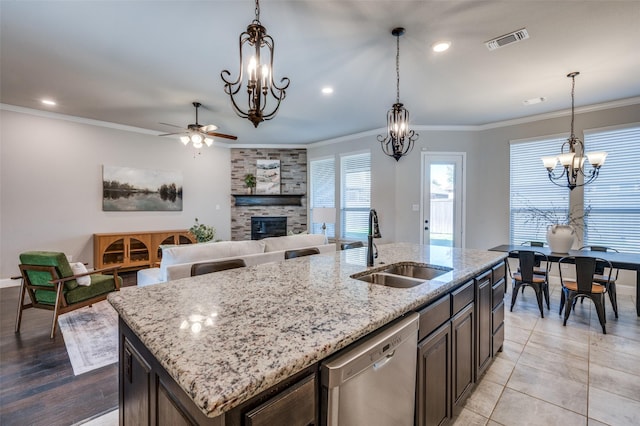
[{"x": 268, "y": 226}]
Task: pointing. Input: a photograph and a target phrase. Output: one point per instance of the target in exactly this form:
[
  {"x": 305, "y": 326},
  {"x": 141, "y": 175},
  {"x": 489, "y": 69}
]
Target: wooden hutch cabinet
[{"x": 135, "y": 250}]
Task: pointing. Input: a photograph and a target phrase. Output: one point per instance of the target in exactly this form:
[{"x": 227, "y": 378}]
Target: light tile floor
[{"x": 554, "y": 375}]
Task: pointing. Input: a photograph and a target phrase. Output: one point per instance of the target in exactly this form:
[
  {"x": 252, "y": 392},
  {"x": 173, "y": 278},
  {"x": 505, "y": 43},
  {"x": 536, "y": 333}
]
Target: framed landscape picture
[
  {"x": 129, "y": 189},
  {"x": 267, "y": 176}
]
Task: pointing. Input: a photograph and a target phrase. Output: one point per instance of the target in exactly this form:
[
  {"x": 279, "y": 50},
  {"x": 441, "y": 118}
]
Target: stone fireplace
[{"x": 293, "y": 181}]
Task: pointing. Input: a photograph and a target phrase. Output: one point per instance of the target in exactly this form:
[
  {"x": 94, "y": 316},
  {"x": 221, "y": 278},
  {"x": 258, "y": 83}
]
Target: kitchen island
[{"x": 224, "y": 338}]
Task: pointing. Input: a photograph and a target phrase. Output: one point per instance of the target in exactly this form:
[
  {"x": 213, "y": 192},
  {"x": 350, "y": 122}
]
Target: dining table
[{"x": 619, "y": 260}]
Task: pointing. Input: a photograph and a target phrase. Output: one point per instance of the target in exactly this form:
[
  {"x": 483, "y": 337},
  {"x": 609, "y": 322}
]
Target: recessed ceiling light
[
  {"x": 327, "y": 90},
  {"x": 534, "y": 101},
  {"x": 441, "y": 46},
  {"x": 48, "y": 102}
]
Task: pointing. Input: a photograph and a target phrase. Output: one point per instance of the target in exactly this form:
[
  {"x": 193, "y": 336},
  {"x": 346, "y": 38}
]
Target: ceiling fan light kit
[
  {"x": 259, "y": 69},
  {"x": 198, "y": 134},
  {"x": 399, "y": 138}
]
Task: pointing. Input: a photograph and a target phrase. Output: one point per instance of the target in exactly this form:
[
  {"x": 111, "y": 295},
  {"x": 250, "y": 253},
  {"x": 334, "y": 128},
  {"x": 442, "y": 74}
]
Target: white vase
[{"x": 560, "y": 238}]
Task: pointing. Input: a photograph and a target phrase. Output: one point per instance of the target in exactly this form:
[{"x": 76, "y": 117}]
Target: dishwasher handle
[{"x": 378, "y": 365}]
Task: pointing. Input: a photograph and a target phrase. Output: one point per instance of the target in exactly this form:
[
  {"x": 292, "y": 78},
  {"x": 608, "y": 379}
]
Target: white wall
[
  {"x": 51, "y": 185},
  {"x": 396, "y": 186}
]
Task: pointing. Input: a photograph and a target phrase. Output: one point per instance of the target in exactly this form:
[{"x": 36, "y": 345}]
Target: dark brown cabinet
[
  {"x": 458, "y": 336},
  {"x": 433, "y": 393},
  {"x": 483, "y": 320},
  {"x": 462, "y": 349}
]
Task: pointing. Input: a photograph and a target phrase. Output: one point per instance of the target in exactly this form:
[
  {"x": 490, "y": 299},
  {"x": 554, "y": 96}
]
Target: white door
[{"x": 443, "y": 198}]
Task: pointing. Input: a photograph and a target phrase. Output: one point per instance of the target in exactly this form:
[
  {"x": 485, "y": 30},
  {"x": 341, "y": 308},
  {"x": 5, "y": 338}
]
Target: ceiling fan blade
[
  {"x": 208, "y": 128},
  {"x": 172, "y": 125},
  {"x": 171, "y": 134},
  {"x": 222, "y": 135}
]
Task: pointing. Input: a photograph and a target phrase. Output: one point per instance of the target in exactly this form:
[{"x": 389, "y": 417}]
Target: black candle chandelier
[
  {"x": 260, "y": 74},
  {"x": 573, "y": 159},
  {"x": 399, "y": 139}
]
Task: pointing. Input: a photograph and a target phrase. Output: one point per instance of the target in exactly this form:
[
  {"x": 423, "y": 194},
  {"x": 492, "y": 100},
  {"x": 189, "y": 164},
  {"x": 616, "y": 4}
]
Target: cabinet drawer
[
  {"x": 293, "y": 406},
  {"x": 433, "y": 316},
  {"x": 499, "y": 272},
  {"x": 498, "y": 293},
  {"x": 497, "y": 317},
  {"x": 461, "y": 297}
]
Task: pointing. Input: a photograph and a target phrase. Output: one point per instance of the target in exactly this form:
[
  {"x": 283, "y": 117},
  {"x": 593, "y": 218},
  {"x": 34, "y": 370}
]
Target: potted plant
[
  {"x": 250, "y": 182},
  {"x": 202, "y": 232},
  {"x": 562, "y": 226}
]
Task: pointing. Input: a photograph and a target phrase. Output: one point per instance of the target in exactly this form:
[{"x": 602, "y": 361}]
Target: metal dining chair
[
  {"x": 601, "y": 278},
  {"x": 524, "y": 275},
  {"x": 583, "y": 286}
]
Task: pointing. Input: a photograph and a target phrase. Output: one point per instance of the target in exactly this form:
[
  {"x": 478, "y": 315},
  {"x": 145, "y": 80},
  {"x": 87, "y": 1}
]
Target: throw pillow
[{"x": 79, "y": 268}]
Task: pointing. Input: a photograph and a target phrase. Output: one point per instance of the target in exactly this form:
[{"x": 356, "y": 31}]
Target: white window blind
[
  {"x": 531, "y": 189},
  {"x": 355, "y": 195},
  {"x": 614, "y": 197},
  {"x": 323, "y": 188}
]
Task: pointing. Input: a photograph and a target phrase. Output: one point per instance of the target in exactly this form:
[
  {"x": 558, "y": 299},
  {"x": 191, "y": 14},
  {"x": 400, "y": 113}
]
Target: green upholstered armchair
[{"x": 51, "y": 284}]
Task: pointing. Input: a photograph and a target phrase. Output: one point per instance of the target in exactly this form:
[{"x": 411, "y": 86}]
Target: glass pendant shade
[{"x": 572, "y": 156}]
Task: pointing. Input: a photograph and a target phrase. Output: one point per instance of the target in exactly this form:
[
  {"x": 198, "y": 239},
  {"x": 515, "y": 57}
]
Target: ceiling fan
[{"x": 198, "y": 133}]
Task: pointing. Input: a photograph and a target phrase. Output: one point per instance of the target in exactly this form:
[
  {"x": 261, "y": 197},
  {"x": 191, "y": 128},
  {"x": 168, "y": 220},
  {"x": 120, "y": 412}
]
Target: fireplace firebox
[{"x": 268, "y": 226}]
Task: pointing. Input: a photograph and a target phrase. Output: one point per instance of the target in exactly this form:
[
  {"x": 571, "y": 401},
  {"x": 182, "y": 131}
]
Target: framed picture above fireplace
[{"x": 268, "y": 176}]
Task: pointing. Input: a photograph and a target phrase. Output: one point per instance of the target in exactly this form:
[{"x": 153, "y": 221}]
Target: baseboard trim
[{"x": 8, "y": 282}]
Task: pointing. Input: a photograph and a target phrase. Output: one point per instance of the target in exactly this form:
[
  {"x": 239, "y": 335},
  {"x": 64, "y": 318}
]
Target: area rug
[{"x": 91, "y": 336}]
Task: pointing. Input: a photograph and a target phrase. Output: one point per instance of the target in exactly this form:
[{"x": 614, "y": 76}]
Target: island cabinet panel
[
  {"x": 497, "y": 312},
  {"x": 463, "y": 344},
  {"x": 136, "y": 384},
  {"x": 433, "y": 393},
  {"x": 483, "y": 322}
]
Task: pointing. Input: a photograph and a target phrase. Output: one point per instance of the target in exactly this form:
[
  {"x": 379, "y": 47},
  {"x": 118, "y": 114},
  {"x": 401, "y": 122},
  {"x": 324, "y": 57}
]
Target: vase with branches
[{"x": 250, "y": 182}]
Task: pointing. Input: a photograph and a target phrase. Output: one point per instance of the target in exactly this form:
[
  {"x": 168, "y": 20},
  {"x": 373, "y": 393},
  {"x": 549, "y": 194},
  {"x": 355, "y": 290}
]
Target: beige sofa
[{"x": 177, "y": 260}]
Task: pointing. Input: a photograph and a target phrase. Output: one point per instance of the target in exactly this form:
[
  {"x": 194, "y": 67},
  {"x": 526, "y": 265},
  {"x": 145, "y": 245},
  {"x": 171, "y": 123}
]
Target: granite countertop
[{"x": 228, "y": 336}]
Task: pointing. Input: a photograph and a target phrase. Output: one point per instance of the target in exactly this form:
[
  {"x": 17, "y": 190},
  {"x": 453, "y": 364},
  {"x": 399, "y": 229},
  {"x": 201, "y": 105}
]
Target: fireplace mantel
[{"x": 268, "y": 199}]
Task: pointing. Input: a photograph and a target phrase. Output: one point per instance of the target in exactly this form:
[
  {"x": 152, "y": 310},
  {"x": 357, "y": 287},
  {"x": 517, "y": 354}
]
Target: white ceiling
[{"x": 141, "y": 63}]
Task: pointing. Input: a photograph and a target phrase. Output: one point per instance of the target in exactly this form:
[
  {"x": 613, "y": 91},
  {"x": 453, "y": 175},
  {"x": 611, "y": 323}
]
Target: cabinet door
[
  {"x": 462, "y": 338},
  {"x": 135, "y": 387},
  {"x": 483, "y": 321},
  {"x": 433, "y": 393}
]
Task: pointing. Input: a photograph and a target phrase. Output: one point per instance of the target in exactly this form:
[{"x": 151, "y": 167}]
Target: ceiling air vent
[{"x": 507, "y": 39}]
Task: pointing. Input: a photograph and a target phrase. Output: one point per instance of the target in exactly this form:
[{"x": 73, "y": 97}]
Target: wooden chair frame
[{"x": 61, "y": 306}]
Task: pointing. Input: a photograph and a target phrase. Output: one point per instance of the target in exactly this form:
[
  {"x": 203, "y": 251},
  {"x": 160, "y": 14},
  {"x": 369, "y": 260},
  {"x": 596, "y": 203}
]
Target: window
[
  {"x": 614, "y": 197},
  {"x": 532, "y": 196},
  {"x": 355, "y": 196},
  {"x": 323, "y": 188}
]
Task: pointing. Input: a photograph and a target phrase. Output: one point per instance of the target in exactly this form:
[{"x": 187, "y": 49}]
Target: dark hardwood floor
[{"x": 37, "y": 385}]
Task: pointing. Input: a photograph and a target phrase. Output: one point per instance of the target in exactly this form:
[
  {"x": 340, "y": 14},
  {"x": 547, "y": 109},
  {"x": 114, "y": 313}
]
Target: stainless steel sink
[
  {"x": 403, "y": 274},
  {"x": 424, "y": 272},
  {"x": 390, "y": 280}
]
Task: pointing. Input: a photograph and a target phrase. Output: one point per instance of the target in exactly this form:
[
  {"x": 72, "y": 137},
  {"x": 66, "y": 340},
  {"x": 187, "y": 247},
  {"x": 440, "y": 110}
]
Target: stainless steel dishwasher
[{"x": 373, "y": 381}]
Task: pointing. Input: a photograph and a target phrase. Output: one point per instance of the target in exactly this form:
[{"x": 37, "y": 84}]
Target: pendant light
[
  {"x": 399, "y": 139},
  {"x": 572, "y": 156},
  {"x": 259, "y": 70}
]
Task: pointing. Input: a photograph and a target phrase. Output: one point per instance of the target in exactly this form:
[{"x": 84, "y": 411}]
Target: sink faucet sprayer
[{"x": 374, "y": 232}]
